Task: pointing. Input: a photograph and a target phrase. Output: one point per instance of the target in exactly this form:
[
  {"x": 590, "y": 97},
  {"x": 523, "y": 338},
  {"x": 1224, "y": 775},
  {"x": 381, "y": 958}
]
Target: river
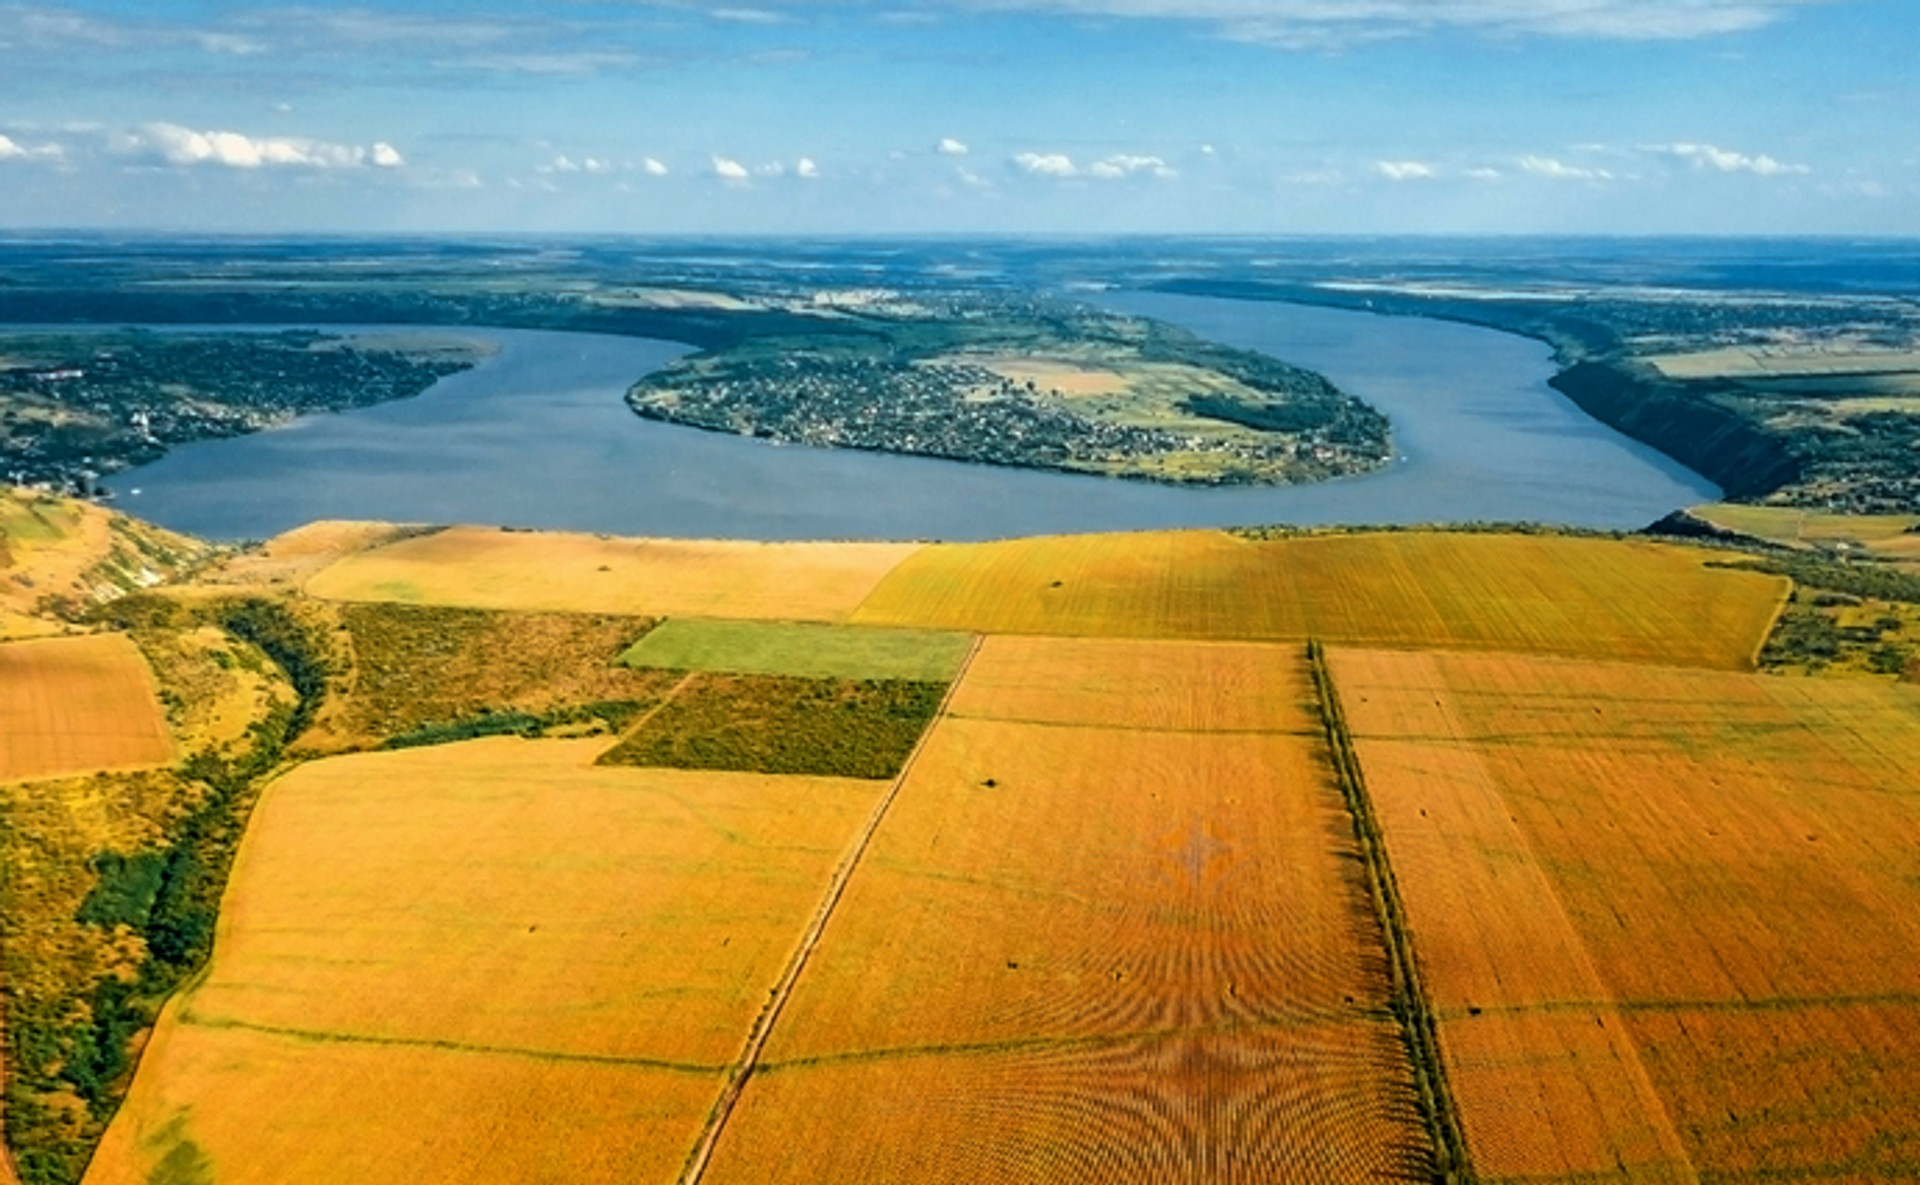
[{"x": 538, "y": 436}]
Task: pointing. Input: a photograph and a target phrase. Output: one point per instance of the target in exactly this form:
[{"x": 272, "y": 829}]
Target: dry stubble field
[
  {"x": 1662, "y": 913},
  {"x": 78, "y": 705},
  {"x": 487, "y": 568},
  {"x": 1551, "y": 594},
  {"x": 486, "y": 961},
  {"x": 1110, "y": 937}
]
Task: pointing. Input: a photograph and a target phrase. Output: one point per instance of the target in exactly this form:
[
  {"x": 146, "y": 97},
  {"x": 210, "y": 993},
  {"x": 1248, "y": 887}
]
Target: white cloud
[
  {"x": 973, "y": 180},
  {"x": 806, "y": 169},
  {"x": 653, "y": 168},
  {"x": 729, "y": 170},
  {"x": 949, "y": 146},
  {"x": 1546, "y": 166},
  {"x": 1314, "y": 24},
  {"x": 772, "y": 168},
  {"x": 1122, "y": 165},
  {"x": 1404, "y": 170},
  {"x": 1484, "y": 174},
  {"x": 748, "y": 16},
  {"x": 1706, "y": 156},
  {"x": 11, "y": 149},
  {"x": 1047, "y": 164},
  {"x": 176, "y": 145}
]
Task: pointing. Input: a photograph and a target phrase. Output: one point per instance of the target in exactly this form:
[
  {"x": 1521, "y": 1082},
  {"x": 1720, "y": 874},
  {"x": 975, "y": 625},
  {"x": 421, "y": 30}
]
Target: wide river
[{"x": 538, "y": 436}]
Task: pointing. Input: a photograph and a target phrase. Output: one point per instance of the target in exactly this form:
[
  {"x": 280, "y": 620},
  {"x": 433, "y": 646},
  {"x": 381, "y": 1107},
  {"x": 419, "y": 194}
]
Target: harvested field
[
  {"x": 494, "y": 569},
  {"x": 849, "y": 728},
  {"x": 1126, "y": 683},
  {"x": 1654, "y": 908},
  {"x": 1629, "y": 599},
  {"x": 415, "y": 666},
  {"x": 239, "y": 1106},
  {"x": 1080, "y": 952},
  {"x": 802, "y": 649},
  {"x": 74, "y": 705},
  {"x": 488, "y": 961}
]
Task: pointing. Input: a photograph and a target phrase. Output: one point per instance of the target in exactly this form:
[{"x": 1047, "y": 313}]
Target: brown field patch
[
  {"x": 774, "y": 724},
  {"x": 1629, "y": 599},
  {"x": 1084, "y": 952},
  {"x": 419, "y": 665},
  {"x": 1710, "y": 869},
  {"x": 74, "y": 705},
  {"x": 493, "y": 569},
  {"x": 437, "y": 923}
]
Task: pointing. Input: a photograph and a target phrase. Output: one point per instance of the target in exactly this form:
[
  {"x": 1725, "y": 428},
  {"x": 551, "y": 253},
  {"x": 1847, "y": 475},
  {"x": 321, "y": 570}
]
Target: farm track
[
  {"x": 748, "y": 1061},
  {"x": 1412, "y": 1006}
]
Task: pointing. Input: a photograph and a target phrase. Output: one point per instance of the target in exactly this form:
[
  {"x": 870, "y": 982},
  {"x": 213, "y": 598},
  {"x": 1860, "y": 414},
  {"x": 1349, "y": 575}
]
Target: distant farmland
[
  {"x": 1545, "y": 593},
  {"x": 77, "y": 705},
  {"x": 1657, "y": 909},
  {"x": 484, "y": 568}
]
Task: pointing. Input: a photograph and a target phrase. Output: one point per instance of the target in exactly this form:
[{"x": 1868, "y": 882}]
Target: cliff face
[{"x": 1712, "y": 440}]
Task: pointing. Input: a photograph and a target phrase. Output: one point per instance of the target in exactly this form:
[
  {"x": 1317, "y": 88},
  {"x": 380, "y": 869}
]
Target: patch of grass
[
  {"x": 854, "y": 728},
  {"x": 803, "y": 650}
]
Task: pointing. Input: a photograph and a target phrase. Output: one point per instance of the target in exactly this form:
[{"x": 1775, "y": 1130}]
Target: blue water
[{"x": 538, "y": 436}]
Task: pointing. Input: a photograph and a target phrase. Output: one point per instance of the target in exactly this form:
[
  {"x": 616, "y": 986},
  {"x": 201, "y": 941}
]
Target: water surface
[{"x": 538, "y": 436}]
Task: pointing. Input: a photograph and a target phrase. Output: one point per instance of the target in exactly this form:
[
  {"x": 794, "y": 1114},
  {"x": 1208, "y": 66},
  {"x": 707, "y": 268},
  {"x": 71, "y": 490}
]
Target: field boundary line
[
  {"x": 673, "y": 693},
  {"x": 743, "y": 1069},
  {"x": 1411, "y": 1005},
  {"x": 188, "y": 1018}
]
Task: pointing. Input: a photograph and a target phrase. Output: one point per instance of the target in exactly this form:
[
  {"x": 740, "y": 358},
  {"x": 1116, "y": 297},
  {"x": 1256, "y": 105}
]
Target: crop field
[
  {"x": 485, "y": 568},
  {"x": 1655, "y": 909},
  {"x": 1543, "y": 593},
  {"x": 1893, "y": 536},
  {"x": 774, "y": 724},
  {"x": 415, "y": 667},
  {"x": 1084, "y": 951},
  {"x": 801, "y": 649},
  {"x": 75, "y": 705},
  {"x": 481, "y": 961}
]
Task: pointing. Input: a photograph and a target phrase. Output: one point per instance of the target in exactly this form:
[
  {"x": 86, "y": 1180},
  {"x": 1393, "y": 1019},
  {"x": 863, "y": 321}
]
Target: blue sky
[{"x": 908, "y": 116}]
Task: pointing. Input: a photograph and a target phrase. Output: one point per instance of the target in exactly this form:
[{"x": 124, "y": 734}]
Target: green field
[{"x": 800, "y": 649}]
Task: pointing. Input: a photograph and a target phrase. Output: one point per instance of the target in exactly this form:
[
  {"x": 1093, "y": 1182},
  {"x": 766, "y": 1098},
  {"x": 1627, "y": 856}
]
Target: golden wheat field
[
  {"x": 1585, "y": 597},
  {"x": 493, "y": 949},
  {"x": 1657, "y": 910},
  {"x": 76, "y": 705},
  {"x": 486, "y": 568},
  {"x": 1077, "y": 952}
]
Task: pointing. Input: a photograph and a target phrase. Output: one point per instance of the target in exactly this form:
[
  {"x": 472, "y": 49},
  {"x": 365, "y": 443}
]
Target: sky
[{"x": 964, "y": 116}]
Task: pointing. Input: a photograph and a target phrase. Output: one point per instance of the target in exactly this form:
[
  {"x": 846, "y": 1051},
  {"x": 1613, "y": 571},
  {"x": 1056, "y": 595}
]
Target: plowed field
[
  {"x": 492, "y": 569},
  {"x": 1539, "y": 593},
  {"x": 486, "y": 961},
  {"x": 76, "y": 705},
  {"x": 1656, "y": 909},
  {"x": 1096, "y": 938}
]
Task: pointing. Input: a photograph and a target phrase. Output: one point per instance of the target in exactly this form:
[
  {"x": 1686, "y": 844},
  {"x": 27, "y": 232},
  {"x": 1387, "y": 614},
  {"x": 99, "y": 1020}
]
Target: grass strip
[
  {"x": 1409, "y": 1000},
  {"x": 801, "y": 649}
]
